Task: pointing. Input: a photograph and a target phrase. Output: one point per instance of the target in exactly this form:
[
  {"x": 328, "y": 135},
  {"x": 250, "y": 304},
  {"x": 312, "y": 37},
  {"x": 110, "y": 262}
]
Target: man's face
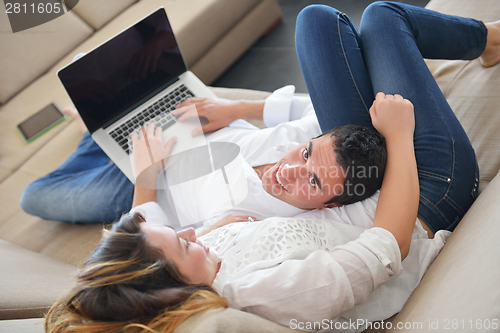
[{"x": 307, "y": 176}]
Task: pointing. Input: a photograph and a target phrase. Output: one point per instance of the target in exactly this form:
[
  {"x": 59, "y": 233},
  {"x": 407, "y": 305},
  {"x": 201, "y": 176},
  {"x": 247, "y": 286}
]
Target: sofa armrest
[
  {"x": 229, "y": 320},
  {"x": 30, "y": 282}
]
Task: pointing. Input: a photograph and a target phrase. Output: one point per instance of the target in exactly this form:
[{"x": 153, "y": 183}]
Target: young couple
[{"x": 308, "y": 268}]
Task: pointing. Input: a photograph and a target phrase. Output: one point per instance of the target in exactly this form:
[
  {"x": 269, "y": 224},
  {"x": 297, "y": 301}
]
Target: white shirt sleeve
[
  {"x": 282, "y": 106},
  {"x": 320, "y": 287},
  {"x": 292, "y": 120}
]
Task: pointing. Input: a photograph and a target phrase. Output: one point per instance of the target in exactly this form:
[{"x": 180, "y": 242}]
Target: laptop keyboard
[{"x": 158, "y": 112}]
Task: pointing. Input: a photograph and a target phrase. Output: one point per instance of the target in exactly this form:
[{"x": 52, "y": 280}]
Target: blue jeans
[
  {"x": 344, "y": 69},
  {"x": 85, "y": 188}
]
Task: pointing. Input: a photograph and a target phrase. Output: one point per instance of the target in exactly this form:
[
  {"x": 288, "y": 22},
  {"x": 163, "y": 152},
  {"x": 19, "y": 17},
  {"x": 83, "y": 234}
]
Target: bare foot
[
  {"x": 71, "y": 112},
  {"x": 491, "y": 53}
]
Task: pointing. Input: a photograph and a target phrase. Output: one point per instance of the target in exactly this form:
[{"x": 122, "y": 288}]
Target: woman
[
  {"x": 344, "y": 274},
  {"x": 145, "y": 274}
]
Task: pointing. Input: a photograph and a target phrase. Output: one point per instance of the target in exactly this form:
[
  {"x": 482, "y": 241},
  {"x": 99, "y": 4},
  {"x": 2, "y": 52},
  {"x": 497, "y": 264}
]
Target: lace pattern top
[
  {"x": 272, "y": 242},
  {"x": 310, "y": 270}
]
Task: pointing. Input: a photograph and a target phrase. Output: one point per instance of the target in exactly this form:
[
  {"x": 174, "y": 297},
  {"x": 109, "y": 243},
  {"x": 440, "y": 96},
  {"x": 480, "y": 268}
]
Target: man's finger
[
  {"x": 191, "y": 112},
  {"x": 398, "y": 97},
  {"x": 197, "y": 131},
  {"x": 204, "y": 129},
  {"x": 189, "y": 101}
]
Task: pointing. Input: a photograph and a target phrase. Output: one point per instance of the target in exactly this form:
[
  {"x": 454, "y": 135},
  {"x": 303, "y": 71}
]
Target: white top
[
  {"x": 302, "y": 272},
  {"x": 291, "y": 121}
]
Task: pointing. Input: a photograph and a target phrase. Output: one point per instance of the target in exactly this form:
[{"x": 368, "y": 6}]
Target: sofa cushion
[
  {"x": 196, "y": 29},
  {"x": 30, "y": 282},
  {"x": 97, "y": 13},
  {"x": 63, "y": 241},
  {"x": 13, "y": 151},
  {"x": 26, "y": 55}
]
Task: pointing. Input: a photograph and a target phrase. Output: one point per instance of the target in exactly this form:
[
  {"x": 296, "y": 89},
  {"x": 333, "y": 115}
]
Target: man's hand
[
  {"x": 393, "y": 116},
  {"x": 149, "y": 154},
  {"x": 218, "y": 111}
]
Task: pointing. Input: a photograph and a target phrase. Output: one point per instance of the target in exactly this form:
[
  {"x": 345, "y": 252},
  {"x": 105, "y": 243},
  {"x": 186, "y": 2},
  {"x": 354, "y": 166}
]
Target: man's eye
[
  {"x": 312, "y": 181},
  {"x": 305, "y": 154}
]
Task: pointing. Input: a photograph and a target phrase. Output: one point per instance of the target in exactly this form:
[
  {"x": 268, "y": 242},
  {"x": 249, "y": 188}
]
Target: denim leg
[
  {"x": 340, "y": 68},
  {"x": 395, "y": 37},
  {"x": 86, "y": 188},
  {"x": 329, "y": 52}
]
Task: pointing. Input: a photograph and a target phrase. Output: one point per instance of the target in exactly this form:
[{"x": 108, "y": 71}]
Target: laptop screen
[{"x": 124, "y": 72}]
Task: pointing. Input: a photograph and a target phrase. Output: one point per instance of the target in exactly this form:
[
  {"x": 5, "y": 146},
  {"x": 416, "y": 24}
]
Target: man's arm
[
  {"x": 282, "y": 106},
  {"x": 219, "y": 112}
]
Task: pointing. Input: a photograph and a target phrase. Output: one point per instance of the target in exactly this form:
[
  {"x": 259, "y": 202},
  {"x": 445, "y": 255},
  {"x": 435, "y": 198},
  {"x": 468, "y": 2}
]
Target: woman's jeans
[{"x": 344, "y": 69}]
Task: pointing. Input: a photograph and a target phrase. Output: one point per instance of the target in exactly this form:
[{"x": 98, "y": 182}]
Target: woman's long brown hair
[{"x": 129, "y": 286}]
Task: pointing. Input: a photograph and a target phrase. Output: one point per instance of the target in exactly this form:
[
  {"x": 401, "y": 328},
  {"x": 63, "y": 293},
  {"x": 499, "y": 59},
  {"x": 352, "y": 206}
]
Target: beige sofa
[{"x": 459, "y": 293}]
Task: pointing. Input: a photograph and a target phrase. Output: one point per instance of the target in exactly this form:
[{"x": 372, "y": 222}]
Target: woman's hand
[
  {"x": 149, "y": 155},
  {"x": 218, "y": 111},
  {"x": 228, "y": 219},
  {"x": 393, "y": 116},
  {"x": 397, "y": 205}
]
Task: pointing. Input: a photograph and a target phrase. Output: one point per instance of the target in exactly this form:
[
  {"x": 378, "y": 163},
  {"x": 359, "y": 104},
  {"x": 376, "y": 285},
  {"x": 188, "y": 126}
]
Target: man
[{"x": 298, "y": 170}]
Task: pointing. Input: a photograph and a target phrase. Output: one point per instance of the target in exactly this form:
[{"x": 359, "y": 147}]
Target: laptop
[{"x": 134, "y": 78}]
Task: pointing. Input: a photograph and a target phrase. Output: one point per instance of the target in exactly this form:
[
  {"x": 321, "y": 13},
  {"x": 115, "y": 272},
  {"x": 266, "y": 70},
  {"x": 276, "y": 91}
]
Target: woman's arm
[
  {"x": 143, "y": 195},
  {"x": 148, "y": 158},
  {"x": 398, "y": 202},
  {"x": 327, "y": 284},
  {"x": 228, "y": 219}
]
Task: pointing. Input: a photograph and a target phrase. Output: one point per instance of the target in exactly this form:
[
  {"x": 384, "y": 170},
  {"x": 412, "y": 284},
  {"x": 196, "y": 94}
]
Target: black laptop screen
[{"x": 125, "y": 71}]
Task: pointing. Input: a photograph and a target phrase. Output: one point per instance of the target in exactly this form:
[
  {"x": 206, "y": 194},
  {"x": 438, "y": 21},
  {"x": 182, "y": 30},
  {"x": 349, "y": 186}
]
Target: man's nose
[{"x": 292, "y": 171}]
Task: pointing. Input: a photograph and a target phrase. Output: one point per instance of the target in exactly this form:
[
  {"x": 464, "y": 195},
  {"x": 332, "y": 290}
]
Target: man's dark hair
[{"x": 362, "y": 155}]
